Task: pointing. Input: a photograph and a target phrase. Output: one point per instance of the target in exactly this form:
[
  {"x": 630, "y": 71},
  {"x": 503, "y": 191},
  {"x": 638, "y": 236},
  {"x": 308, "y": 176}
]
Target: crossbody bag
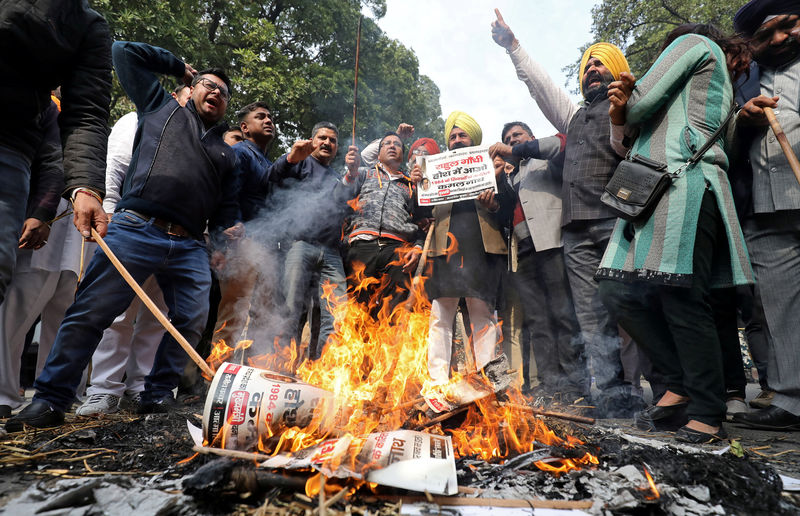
[{"x": 639, "y": 182}]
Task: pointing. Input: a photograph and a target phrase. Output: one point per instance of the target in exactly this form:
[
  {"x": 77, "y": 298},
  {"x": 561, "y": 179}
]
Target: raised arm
[
  {"x": 138, "y": 66},
  {"x": 551, "y": 99}
]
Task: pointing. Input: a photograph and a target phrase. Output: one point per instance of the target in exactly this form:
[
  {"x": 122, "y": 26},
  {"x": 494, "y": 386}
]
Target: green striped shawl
[{"x": 676, "y": 106}]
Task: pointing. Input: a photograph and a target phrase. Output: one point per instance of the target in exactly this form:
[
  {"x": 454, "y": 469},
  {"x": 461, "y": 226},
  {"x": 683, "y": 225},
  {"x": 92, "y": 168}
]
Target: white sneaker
[
  {"x": 99, "y": 404},
  {"x": 735, "y": 407}
]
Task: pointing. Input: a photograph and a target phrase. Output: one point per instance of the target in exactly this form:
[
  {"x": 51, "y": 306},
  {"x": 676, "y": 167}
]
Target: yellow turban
[
  {"x": 465, "y": 122},
  {"x": 610, "y": 55}
]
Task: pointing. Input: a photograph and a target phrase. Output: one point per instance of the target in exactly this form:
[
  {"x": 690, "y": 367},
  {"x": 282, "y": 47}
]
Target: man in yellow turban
[
  {"x": 601, "y": 64},
  {"x": 586, "y": 223},
  {"x": 461, "y": 120},
  {"x": 468, "y": 252}
]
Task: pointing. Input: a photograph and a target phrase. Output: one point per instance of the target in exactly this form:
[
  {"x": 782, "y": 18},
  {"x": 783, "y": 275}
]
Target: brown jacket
[{"x": 493, "y": 240}]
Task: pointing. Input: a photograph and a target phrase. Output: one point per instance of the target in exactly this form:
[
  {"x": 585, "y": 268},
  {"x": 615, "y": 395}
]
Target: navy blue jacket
[
  {"x": 252, "y": 171},
  {"x": 179, "y": 171},
  {"x": 740, "y": 172}
]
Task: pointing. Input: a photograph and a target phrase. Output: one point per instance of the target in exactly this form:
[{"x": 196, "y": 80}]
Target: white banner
[
  {"x": 455, "y": 175},
  {"x": 399, "y": 458}
]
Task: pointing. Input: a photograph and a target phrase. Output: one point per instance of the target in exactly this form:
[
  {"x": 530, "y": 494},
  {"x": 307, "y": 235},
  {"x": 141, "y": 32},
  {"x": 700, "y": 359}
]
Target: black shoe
[
  {"x": 157, "y": 406},
  {"x": 666, "y": 418},
  {"x": 770, "y": 418},
  {"x": 5, "y": 411},
  {"x": 39, "y": 414},
  {"x": 688, "y": 435}
]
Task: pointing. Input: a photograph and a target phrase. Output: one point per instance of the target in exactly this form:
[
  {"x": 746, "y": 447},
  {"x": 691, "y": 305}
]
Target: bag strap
[{"x": 711, "y": 141}]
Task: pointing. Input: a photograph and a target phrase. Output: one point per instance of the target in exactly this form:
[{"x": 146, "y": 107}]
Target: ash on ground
[{"x": 125, "y": 462}]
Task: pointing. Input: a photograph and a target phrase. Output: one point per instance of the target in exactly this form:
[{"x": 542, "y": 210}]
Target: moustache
[{"x": 458, "y": 145}]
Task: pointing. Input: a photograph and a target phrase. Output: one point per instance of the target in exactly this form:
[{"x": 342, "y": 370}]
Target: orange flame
[
  {"x": 376, "y": 365},
  {"x": 653, "y": 489}
]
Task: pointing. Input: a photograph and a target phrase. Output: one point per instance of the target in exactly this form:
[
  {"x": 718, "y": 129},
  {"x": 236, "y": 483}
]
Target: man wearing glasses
[
  {"x": 180, "y": 179},
  {"x": 383, "y": 235}
]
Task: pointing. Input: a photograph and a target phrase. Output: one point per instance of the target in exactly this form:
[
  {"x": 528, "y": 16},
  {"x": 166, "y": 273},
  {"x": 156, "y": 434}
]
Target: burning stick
[
  {"x": 784, "y": 142},
  {"x": 152, "y": 306},
  {"x": 355, "y": 86},
  {"x": 423, "y": 259},
  {"x": 549, "y": 413}
]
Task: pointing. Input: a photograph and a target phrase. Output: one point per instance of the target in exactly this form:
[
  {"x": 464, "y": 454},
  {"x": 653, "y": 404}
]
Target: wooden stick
[
  {"x": 453, "y": 501},
  {"x": 549, "y": 413},
  {"x": 423, "y": 259},
  {"x": 443, "y": 417},
  {"x": 152, "y": 306},
  {"x": 236, "y": 454},
  {"x": 355, "y": 86},
  {"x": 784, "y": 142}
]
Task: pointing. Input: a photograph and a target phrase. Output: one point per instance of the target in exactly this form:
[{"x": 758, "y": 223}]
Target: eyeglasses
[
  {"x": 391, "y": 143},
  {"x": 421, "y": 151},
  {"x": 211, "y": 86}
]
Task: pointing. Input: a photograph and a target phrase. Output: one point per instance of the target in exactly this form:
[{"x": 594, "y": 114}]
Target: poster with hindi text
[{"x": 455, "y": 175}]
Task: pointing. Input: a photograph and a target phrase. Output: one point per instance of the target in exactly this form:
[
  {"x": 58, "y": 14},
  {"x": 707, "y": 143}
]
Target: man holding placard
[{"x": 468, "y": 246}]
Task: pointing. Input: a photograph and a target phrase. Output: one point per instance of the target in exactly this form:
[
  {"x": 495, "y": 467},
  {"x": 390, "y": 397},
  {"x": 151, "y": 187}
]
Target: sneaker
[
  {"x": 99, "y": 404},
  {"x": 735, "y": 407},
  {"x": 131, "y": 402},
  {"x": 763, "y": 400},
  {"x": 158, "y": 406}
]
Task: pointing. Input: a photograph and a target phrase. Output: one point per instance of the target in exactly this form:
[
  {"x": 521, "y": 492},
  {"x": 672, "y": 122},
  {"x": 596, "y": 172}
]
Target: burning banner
[
  {"x": 246, "y": 404},
  {"x": 403, "y": 458}
]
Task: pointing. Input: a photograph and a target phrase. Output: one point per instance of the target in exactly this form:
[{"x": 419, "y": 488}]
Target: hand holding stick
[
  {"x": 152, "y": 306},
  {"x": 784, "y": 142}
]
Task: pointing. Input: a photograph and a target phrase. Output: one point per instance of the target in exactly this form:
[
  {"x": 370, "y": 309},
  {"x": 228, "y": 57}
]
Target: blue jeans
[
  {"x": 15, "y": 176},
  {"x": 181, "y": 268},
  {"x": 302, "y": 260}
]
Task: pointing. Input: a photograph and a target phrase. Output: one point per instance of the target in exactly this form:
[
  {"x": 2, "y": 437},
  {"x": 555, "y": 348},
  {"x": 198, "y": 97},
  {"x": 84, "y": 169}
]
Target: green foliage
[
  {"x": 639, "y": 28},
  {"x": 296, "y": 55}
]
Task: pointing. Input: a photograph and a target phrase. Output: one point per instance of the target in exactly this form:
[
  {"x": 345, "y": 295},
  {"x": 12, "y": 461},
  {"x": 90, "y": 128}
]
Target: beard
[
  {"x": 599, "y": 88},
  {"x": 777, "y": 56},
  {"x": 458, "y": 145}
]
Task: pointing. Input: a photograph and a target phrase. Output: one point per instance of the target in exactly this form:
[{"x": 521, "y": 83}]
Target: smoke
[{"x": 295, "y": 210}]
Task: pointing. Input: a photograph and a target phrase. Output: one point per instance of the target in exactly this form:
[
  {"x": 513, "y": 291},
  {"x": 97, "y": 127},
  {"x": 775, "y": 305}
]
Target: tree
[
  {"x": 297, "y": 55},
  {"x": 639, "y": 28}
]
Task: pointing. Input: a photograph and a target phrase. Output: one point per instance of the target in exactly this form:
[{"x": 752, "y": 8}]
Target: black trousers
[
  {"x": 675, "y": 325},
  {"x": 541, "y": 280},
  {"x": 381, "y": 261}
]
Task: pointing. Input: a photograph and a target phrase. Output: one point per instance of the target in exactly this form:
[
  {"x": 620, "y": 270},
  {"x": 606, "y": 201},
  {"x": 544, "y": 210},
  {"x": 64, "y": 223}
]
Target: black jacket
[
  {"x": 179, "y": 171},
  {"x": 47, "y": 43}
]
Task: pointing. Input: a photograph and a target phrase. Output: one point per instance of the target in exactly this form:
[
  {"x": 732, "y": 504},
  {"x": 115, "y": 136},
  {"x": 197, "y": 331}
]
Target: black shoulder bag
[{"x": 639, "y": 182}]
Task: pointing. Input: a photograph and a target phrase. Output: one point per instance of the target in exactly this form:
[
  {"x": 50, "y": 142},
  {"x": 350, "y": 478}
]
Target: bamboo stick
[
  {"x": 784, "y": 142},
  {"x": 423, "y": 259},
  {"x": 152, "y": 306},
  {"x": 550, "y": 413},
  {"x": 355, "y": 86},
  {"x": 486, "y": 502}
]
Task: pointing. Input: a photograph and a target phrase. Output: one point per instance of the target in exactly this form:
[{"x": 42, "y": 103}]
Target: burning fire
[
  {"x": 376, "y": 365},
  {"x": 654, "y": 494}
]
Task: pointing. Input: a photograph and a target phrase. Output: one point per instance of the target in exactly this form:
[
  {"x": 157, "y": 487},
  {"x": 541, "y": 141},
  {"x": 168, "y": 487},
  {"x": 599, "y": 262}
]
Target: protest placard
[{"x": 455, "y": 175}]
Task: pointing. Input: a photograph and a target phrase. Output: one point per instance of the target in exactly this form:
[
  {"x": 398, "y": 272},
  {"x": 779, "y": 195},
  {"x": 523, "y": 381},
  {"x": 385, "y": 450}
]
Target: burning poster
[
  {"x": 245, "y": 404},
  {"x": 402, "y": 458},
  {"x": 455, "y": 175}
]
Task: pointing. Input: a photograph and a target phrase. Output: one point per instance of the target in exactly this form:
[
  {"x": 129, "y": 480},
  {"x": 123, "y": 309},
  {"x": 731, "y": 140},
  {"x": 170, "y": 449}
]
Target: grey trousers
[
  {"x": 773, "y": 240},
  {"x": 585, "y": 241}
]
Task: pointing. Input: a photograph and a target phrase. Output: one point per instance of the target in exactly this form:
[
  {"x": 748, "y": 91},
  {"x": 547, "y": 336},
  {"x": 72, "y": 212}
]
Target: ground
[{"x": 134, "y": 448}]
